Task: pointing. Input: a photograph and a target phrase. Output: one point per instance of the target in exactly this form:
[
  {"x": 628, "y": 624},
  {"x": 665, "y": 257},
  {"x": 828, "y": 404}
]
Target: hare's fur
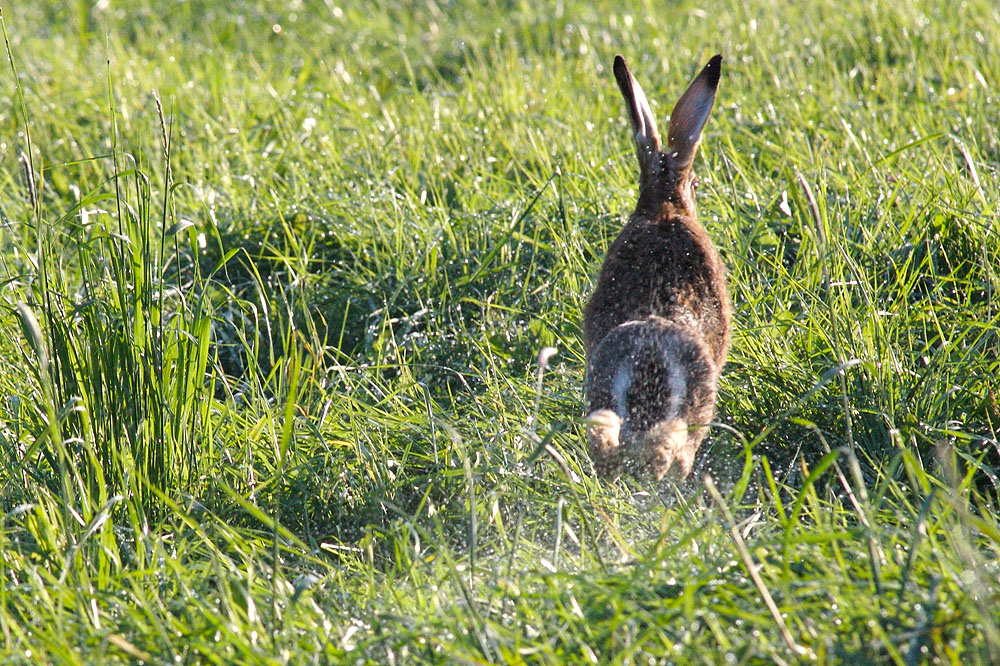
[{"x": 657, "y": 328}]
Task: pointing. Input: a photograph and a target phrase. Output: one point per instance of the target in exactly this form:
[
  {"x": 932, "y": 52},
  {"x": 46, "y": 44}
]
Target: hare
[{"x": 656, "y": 330}]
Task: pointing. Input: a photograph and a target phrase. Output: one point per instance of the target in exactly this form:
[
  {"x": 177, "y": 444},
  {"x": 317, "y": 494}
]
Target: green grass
[{"x": 269, "y": 390}]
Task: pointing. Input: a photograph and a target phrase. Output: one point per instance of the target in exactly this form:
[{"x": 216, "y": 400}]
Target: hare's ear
[
  {"x": 690, "y": 115},
  {"x": 647, "y": 140}
]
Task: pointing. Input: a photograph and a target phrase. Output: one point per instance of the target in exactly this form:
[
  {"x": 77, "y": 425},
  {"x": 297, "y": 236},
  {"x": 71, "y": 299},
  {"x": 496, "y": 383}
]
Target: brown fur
[{"x": 657, "y": 328}]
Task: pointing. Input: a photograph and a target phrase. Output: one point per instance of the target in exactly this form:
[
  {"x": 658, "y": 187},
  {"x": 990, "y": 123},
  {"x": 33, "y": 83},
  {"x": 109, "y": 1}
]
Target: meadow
[{"x": 280, "y": 283}]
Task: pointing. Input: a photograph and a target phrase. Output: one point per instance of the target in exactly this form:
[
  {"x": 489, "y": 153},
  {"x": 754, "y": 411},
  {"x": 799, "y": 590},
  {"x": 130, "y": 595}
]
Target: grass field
[{"x": 274, "y": 281}]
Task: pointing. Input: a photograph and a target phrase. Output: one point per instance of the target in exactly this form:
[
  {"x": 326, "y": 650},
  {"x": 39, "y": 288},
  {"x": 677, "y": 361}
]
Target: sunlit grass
[{"x": 274, "y": 278}]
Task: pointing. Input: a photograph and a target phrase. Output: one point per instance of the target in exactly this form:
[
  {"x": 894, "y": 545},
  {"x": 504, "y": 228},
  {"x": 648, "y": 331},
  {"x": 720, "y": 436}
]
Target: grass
[{"x": 274, "y": 279}]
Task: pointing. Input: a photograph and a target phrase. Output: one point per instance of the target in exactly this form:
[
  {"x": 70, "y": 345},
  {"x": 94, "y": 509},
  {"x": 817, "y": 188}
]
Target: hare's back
[{"x": 667, "y": 270}]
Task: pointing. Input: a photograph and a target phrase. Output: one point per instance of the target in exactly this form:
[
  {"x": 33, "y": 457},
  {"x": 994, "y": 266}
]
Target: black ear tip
[
  {"x": 713, "y": 70},
  {"x": 620, "y": 66}
]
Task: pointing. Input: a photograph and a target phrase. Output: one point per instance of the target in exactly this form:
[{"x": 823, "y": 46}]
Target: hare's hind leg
[
  {"x": 609, "y": 377},
  {"x": 613, "y": 370},
  {"x": 670, "y": 447},
  {"x": 603, "y": 431}
]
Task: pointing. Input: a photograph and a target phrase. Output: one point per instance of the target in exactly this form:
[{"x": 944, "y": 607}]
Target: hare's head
[{"x": 666, "y": 176}]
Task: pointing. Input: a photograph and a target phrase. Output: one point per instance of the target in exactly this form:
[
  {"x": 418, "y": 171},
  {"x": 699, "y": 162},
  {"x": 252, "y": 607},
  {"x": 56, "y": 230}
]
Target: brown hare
[{"x": 656, "y": 331}]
